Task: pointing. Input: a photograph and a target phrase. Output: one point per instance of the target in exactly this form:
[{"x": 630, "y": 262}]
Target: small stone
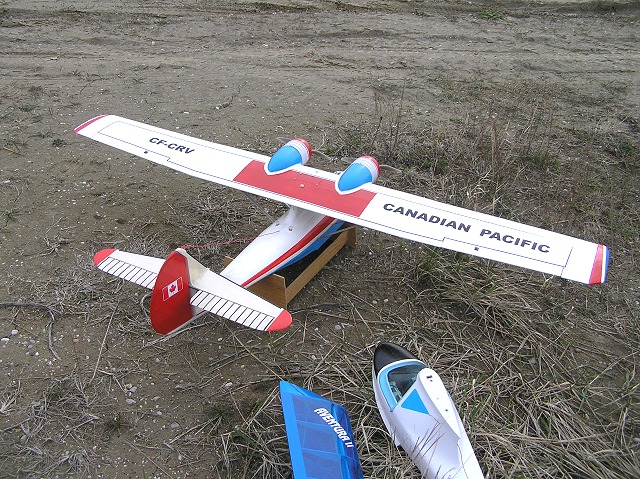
[{"x": 130, "y": 401}]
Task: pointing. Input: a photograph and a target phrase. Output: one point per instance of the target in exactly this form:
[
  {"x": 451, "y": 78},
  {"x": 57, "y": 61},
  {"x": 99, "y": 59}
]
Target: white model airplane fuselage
[
  {"x": 294, "y": 235},
  {"x": 320, "y": 201},
  {"x": 420, "y": 415}
]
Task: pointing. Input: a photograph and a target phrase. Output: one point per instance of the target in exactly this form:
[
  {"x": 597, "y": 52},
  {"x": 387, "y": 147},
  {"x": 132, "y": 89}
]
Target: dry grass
[
  {"x": 544, "y": 380},
  {"x": 531, "y": 403},
  {"x": 544, "y": 373}
]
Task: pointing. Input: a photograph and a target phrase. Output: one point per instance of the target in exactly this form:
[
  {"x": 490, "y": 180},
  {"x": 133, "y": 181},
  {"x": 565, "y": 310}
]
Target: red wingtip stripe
[
  {"x": 600, "y": 265},
  {"x": 87, "y": 123},
  {"x": 283, "y": 321},
  {"x": 100, "y": 256}
]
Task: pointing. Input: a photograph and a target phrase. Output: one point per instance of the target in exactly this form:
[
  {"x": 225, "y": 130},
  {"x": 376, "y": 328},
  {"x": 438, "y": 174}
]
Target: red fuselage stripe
[{"x": 306, "y": 240}]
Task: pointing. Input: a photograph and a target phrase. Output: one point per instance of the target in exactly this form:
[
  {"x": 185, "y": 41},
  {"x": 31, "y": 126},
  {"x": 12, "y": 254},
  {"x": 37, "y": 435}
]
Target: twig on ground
[{"x": 104, "y": 340}]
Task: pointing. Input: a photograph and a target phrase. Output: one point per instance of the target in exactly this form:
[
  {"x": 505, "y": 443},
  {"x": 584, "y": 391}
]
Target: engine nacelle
[
  {"x": 294, "y": 152},
  {"x": 363, "y": 170}
]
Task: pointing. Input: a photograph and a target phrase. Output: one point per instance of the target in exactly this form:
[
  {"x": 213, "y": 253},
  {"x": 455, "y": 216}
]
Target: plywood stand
[{"x": 274, "y": 287}]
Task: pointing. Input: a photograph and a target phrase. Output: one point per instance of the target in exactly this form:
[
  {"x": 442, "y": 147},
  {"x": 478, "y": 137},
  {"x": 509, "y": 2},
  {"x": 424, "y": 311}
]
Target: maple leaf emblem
[{"x": 172, "y": 288}]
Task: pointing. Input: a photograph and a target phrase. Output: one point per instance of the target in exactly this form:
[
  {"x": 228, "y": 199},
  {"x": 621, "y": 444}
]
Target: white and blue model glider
[
  {"x": 319, "y": 433},
  {"x": 321, "y": 201},
  {"x": 420, "y": 415}
]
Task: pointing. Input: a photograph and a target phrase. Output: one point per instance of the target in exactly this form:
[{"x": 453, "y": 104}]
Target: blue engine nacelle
[
  {"x": 294, "y": 152},
  {"x": 363, "y": 170}
]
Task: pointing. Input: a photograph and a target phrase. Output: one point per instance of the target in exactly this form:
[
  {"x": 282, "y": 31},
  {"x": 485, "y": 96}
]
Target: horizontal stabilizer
[
  {"x": 218, "y": 295},
  {"x": 183, "y": 289},
  {"x": 136, "y": 268}
]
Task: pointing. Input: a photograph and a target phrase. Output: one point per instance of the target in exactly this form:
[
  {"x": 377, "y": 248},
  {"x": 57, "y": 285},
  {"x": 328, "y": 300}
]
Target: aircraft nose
[{"x": 387, "y": 353}]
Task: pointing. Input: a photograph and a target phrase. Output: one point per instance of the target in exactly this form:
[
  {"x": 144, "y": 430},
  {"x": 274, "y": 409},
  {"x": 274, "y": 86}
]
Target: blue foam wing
[{"x": 320, "y": 437}]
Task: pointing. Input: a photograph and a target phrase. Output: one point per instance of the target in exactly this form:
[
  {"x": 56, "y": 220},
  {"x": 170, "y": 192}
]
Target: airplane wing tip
[
  {"x": 87, "y": 123},
  {"x": 100, "y": 256},
  {"x": 600, "y": 265},
  {"x": 319, "y": 434},
  {"x": 282, "y": 321}
]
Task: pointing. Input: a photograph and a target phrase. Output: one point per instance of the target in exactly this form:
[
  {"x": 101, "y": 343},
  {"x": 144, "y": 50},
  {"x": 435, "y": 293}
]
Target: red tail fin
[{"x": 170, "y": 300}]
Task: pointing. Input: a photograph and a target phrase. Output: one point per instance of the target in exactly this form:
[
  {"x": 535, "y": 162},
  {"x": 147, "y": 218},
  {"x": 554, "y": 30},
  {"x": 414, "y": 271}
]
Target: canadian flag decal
[
  {"x": 172, "y": 288},
  {"x": 167, "y": 316}
]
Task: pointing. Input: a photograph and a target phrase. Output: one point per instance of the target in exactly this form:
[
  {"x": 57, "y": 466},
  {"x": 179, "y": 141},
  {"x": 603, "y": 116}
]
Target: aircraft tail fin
[{"x": 170, "y": 306}]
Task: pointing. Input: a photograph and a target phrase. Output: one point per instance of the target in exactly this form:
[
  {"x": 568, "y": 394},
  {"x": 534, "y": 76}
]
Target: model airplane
[
  {"x": 421, "y": 416},
  {"x": 319, "y": 433},
  {"x": 321, "y": 201}
]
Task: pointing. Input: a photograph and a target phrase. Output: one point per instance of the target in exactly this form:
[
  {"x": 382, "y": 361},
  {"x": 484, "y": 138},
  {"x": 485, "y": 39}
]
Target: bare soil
[{"x": 86, "y": 388}]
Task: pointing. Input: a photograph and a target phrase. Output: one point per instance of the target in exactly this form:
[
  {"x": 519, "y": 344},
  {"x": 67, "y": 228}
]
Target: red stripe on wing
[
  {"x": 598, "y": 273},
  {"x": 304, "y": 187},
  {"x": 87, "y": 123}
]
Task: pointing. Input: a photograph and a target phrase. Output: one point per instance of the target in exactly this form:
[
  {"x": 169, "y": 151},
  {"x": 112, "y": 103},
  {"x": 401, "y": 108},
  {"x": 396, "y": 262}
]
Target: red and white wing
[
  {"x": 205, "y": 291},
  {"x": 483, "y": 235},
  {"x": 373, "y": 206}
]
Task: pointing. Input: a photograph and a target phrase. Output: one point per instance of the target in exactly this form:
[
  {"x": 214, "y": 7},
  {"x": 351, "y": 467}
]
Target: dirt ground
[{"x": 242, "y": 74}]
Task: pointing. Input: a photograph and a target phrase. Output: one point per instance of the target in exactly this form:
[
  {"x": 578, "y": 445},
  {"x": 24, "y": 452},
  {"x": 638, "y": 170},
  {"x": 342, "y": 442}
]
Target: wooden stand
[{"x": 274, "y": 287}]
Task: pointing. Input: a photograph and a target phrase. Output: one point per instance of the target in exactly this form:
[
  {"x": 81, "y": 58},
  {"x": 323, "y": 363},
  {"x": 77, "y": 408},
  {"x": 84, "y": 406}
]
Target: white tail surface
[
  {"x": 136, "y": 268},
  {"x": 183, "y": 289},
  {"x": 225, "y": 298}
]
